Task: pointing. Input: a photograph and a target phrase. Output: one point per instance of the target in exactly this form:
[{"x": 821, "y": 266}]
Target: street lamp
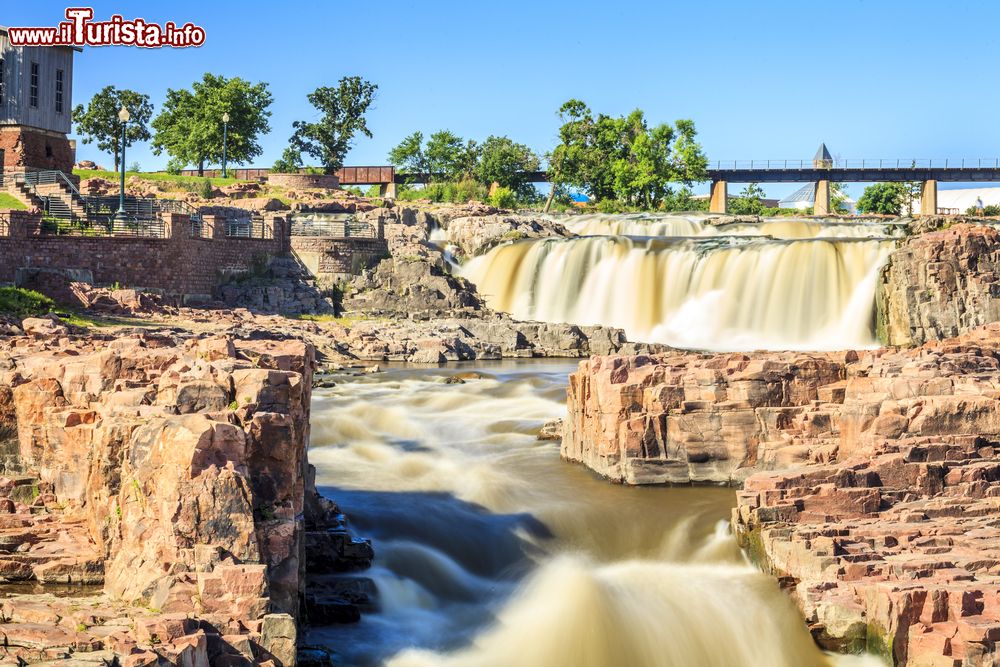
[
  {"x": 121, "y": 216},
  {"x": 225, "y": 125}
]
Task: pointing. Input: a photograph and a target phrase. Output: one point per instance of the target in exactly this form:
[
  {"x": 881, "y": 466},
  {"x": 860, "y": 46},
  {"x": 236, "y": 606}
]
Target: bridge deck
[{"x": 857, "y": 175}]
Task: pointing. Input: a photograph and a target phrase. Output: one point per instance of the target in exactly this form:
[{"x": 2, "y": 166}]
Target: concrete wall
[
  {"x": 332, "y": 259},
  {"x": 178, "y": 264}
]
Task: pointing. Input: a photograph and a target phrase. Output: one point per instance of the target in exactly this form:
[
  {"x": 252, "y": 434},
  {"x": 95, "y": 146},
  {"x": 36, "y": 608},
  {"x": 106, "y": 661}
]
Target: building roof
[
  {"x": 822, "y": 154},
  {"x": 807, "y": 193}
]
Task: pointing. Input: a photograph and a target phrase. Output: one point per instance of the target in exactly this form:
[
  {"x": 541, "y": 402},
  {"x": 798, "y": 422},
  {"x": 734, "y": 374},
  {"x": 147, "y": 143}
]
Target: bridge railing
[{"x": 862, "y": 163}]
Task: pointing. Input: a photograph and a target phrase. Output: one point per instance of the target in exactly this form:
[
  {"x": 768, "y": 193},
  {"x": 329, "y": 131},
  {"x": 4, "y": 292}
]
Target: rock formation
[
  {"x": 169, "y": 475},
  {"x": 870, "y": 478},
  {"x": 940, "y": 284}
]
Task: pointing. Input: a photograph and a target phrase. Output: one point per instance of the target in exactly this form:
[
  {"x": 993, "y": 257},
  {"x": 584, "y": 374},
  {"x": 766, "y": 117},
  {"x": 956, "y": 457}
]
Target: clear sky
[{"x": 761, "y": 79}]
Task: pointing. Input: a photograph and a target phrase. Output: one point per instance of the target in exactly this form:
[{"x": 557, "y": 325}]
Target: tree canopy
[
  {"x": 505, "y": 162},
  {"x": 342, "y": 116},
  {"x": 445, "y": 157},
  {"x": 884, "y": 198},
  {"x": 189, "y": 127},
  {"x": 623, "y": 158},
  {"x": 749, "y": 201},
  {"x": 450, "y": 156},
  {"x": 408, "y": 156},
  {"x": 98, "y": 121}
]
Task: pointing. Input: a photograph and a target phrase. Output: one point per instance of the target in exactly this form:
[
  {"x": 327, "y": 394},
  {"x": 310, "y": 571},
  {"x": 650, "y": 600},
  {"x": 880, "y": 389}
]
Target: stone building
[{"x": 36, "y": 100}]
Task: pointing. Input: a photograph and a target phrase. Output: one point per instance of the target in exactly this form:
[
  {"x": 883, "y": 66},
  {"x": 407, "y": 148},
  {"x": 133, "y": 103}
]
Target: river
[{"x": 492, "y": 552}]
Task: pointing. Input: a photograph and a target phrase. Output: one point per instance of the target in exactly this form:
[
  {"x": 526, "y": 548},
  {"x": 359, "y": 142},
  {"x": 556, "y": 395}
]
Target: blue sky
[{"x": 891, "y": 79}]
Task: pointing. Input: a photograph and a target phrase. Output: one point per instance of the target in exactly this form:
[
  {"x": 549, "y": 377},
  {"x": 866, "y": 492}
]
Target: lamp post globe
[
  {"x": 120, "y": 216},
  {"x": 225, "y": 127}
]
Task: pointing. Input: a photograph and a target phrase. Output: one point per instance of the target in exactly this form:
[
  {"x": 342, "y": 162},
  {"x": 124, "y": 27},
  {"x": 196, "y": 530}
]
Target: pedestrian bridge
[{"x": 824, "y": 170}]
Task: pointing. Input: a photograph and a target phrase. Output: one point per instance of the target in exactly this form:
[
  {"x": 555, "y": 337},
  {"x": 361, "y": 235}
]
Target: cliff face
[
  {"x": 871, "y": 479},
  {"x": 684, "y": 417},
  {"x": 894, "y": 545},
  {"x": 940, "y": 284},
  {"x": 173, "y": 472}
]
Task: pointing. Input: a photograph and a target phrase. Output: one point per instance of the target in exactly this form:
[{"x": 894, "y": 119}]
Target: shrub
[
  {"x": 23, "y": 303},
  {"x": 205, "y": 189},
  {"x": 610, "y": 206},
  {"x": 991, "y": 210},
  {"x": 457, "y": 192},
  {"x": 503, "y": 198}
]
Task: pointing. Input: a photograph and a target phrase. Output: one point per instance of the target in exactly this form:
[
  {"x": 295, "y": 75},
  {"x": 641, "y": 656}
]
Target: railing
[
  {"x": 49, "y": 177},
  {"x": 248, "y": 228},
  {"x": 197, "y": 228},
  {"x": 47, "y": 226},
  {"x": 865, "y": 163},
  {"x": 336, "y": 228}
]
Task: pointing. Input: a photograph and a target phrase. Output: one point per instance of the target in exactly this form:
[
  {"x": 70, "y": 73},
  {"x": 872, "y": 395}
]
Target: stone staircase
[
  {"x": 54, "y": 195},
  {"x": 22, "y": 192}
]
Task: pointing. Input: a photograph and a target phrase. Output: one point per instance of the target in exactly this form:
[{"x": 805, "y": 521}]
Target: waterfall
[
  {"x": 651, "y": 224},
  {"x": 710, "y": 292}
]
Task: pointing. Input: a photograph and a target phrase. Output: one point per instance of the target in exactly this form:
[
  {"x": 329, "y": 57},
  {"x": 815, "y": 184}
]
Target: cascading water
[
  {"x": 814, "y": 289},
  {"x": 491, "y": 552},
  {"x": 648, "y": 224}
]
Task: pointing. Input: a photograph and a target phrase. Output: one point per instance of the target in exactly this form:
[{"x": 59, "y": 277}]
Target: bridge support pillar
[
  {"x": 822, "y": 204},
  {"x": 720, "y": 200},
  {"x": 387, "y": 190},
  {"x": 928, "y": 198}
]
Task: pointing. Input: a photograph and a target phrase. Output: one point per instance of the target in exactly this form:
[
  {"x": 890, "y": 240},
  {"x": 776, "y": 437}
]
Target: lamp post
[
  {"x": 225, "y": 126},
  {"x": 121, "y": 216}
]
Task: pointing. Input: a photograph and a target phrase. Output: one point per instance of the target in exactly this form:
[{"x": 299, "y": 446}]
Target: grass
[
  {"x": 181, "y": 181},
  {"x": 10, "y": 201},
  {"x": 23, "y": 303}
]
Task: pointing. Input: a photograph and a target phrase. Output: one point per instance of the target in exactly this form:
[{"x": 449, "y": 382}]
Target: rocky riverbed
[
  {"x": 157, "y": 504},
  {"x": 868, "y": 477},
  {"x": 156, "y": 500}
]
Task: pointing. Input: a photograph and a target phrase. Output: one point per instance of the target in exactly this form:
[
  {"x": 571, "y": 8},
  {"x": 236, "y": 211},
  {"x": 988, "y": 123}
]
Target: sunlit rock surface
[
  {"x": 163, "y": 480},
  {"x": 871, "y": 478},
  {"x": 940, "y": 284}
]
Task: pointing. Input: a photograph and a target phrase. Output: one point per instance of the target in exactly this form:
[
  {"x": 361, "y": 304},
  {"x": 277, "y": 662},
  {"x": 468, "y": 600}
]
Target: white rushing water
[
  {"x": 659, "y": 224},
  {"x": 492, "y": 552},
  {"x": 717, "y": 293}
]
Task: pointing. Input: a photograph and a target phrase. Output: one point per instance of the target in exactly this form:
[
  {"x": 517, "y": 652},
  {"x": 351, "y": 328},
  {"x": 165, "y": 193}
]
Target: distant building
[
  {"x": 36, "y": 100},
  {"x": 805, "y": 197},
  {"x": 959, "y": 200}
]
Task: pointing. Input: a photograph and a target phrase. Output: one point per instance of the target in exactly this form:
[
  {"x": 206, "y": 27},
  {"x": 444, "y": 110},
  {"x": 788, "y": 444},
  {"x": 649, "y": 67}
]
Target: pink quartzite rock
[{"x": 871, "y": 480}]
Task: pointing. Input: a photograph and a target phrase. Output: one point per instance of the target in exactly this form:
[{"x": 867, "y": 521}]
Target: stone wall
[
  {"x": 179, "y": 263},
  {"x": 331, "y": 259},
  {"x": 35, "y": 149},
  {"x": 304, "y": 181},
  {"x": 940, "y": 284}
]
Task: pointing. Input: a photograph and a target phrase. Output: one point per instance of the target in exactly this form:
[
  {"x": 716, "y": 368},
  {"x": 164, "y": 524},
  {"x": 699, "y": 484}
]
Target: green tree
[
  {"x": 838, "y": 199},
  {"x": 749, "y": 201},
  {"x": 342, "y": 116},
  {"x": 506, "y": 162},
  {"x": 408, "y": 155},
  {"x": 289, "y": 163},
  {"x": 189, "y": 127},
  {"x": 884, "y": 198},
  {"x": 683, "y": 200},
  {"x": 624, "y": 158},
  {"x": 98, "y": 121},
  {"x": 450, "y": 157}
]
